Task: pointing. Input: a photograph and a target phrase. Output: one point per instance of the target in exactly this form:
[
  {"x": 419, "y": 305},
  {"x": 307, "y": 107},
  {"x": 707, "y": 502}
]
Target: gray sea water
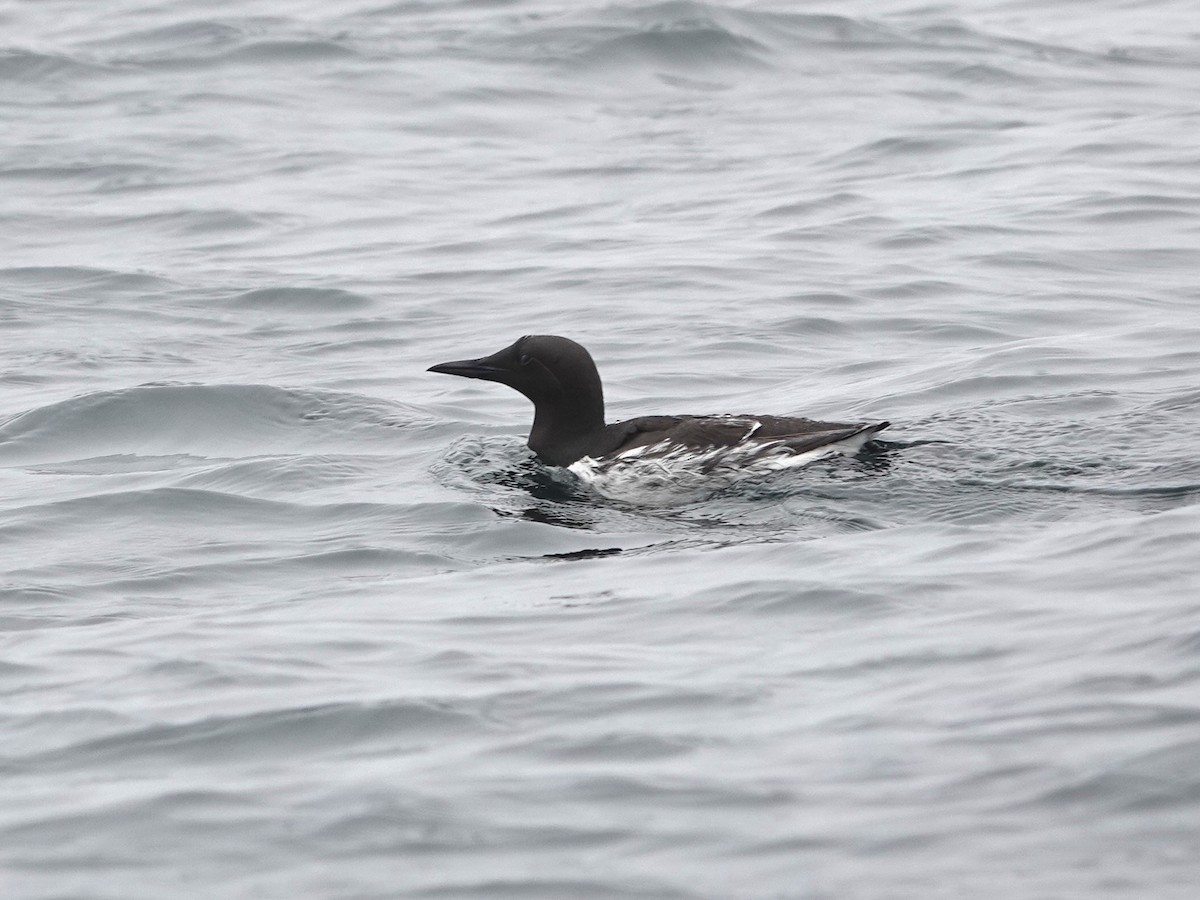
[{"x": 284, "y": 616}]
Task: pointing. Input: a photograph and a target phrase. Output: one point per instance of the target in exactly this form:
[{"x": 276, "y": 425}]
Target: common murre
[{"x": 655, "y": 459}]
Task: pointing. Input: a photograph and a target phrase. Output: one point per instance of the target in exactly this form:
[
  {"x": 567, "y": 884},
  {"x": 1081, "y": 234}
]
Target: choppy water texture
[{"x": 284, "y": 616}]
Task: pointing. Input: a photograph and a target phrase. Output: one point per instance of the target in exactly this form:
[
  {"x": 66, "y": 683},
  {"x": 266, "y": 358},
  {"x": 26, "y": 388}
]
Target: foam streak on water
[{"x": 283, "y": 616}]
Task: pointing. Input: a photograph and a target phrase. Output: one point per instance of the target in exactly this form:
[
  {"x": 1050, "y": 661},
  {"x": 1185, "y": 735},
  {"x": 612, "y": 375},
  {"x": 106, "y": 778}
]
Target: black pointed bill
[{"x": 470, "y": 368}]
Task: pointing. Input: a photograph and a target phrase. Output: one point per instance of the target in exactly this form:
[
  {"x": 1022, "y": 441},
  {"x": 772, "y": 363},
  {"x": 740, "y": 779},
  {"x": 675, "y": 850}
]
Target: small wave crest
[
  {"x": 200, "y": 420},
  {"x": 679, "y": 36}
]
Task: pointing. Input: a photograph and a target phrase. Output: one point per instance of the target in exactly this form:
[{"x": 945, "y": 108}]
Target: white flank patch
[{"x": 667, "y": 474}]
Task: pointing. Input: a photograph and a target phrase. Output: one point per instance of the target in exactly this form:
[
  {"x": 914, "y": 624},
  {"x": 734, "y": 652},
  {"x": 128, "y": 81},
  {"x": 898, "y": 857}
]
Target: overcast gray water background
[{"x": 283, "y": 616}]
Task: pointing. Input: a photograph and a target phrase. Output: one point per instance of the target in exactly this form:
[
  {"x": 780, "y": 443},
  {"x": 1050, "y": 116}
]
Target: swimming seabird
[{"x": 630, "y": 458}]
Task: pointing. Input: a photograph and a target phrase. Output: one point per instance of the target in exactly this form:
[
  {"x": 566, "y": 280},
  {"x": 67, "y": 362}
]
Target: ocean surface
[{"x": 284, "y": 616}]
